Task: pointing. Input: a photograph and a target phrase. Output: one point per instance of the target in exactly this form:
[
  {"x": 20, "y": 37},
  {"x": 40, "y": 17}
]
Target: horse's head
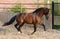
[
  {"x": 47, "y": 16},
  {"x": 42, "y": 11}
]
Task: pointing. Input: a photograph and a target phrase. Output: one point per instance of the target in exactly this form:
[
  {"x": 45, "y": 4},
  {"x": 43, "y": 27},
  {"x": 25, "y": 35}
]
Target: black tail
[{"x": 11, "y": 21}]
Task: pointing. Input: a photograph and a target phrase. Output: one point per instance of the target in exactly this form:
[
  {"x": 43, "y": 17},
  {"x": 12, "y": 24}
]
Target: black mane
[{"x": 39, "y": 9}]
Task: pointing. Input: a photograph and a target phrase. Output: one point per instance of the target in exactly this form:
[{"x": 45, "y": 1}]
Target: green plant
[
  {"x": 16, "y": 9},
  {"x": 56, "y": 27}
]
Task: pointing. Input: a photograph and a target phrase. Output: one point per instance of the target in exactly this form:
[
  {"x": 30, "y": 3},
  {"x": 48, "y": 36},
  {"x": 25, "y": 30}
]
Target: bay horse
[{"x": 29, "y": 18}]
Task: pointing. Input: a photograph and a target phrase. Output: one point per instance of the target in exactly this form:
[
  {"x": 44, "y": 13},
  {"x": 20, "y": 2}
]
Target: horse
[{"x": 29, "y": 18}]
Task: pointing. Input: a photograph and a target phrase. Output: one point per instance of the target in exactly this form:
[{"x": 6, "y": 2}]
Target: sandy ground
[{"x": 9, "y": 32}]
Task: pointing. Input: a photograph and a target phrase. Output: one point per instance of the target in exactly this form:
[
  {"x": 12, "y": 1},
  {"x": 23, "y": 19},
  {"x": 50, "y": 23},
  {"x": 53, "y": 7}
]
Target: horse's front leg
[
  {"x": 43, "y": 27},
  {"x": 34, "y": 29}
]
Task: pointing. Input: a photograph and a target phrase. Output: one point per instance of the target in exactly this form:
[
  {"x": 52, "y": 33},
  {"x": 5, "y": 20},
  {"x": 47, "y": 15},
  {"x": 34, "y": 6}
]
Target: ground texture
[{"x": 9, "y": 32}]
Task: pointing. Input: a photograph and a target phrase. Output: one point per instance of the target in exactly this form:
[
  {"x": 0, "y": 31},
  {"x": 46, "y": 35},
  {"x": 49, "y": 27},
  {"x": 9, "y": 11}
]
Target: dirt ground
[{"x": 9, "y": 32}]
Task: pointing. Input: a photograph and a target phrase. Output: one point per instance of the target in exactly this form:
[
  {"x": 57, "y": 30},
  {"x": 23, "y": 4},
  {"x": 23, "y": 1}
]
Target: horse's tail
[{"x": 11, "y": 21}]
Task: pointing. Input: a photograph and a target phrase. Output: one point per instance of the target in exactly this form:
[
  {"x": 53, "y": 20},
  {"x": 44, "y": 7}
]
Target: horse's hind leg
[
  {"x": 20, "y": 25},
  {"x": 34, "y": 29},
  {"x": 44, "y": 27},
  {"x": 16, "y": 26}
]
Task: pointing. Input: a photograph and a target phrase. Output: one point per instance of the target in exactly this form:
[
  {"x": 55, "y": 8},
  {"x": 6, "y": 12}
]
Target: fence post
[
  {"x": 52, "y": 14},
  {"x": 20, "y": 7}
]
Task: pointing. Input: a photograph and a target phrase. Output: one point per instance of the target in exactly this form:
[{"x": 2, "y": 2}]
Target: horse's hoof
[{"x": 19, "y": 32}]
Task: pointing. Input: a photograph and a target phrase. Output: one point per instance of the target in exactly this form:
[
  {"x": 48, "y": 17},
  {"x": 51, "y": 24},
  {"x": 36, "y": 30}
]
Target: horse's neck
[{"x": 40, "y": 15}]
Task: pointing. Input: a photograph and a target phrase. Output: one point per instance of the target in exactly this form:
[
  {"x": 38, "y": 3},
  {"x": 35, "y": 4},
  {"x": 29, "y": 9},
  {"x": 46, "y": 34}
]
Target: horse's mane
[{"x": 39, "y": 9}]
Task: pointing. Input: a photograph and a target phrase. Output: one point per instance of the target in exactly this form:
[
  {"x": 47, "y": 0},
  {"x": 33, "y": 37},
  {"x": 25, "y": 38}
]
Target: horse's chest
[{"x": 38, "y": 20}]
